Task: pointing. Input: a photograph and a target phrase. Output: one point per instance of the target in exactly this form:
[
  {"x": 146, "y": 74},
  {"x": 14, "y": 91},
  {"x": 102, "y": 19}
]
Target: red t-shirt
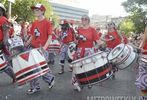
[
  {"x": 11, "y": 32},
  {"x": 91, "y": 36},
  {"x": 69, "y": 37},
  {"x": 116, "y": 41},
  {"x": 40, "y": 31},
  {"x": 3, "y": 20}
]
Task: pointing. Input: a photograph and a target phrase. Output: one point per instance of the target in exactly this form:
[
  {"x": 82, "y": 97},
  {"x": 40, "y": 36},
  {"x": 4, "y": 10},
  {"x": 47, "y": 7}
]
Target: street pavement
[{"x": 122, "y": 86}]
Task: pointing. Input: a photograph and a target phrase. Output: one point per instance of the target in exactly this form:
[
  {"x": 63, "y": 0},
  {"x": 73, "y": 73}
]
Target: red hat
[
  {"x": 64, "y": 22},
  {"x": 38, "y": 6}
]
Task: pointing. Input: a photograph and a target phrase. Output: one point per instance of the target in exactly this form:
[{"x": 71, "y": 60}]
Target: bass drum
[
  {"x": 92, "y": 69},
  {"x": 29, "y": 65}
]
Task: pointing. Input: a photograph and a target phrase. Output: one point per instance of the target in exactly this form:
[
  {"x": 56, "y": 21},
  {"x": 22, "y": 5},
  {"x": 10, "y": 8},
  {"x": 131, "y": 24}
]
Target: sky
[{"x": 103, "y": 7}]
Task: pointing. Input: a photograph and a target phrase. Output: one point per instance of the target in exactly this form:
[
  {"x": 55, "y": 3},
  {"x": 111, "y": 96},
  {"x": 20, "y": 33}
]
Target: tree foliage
[
  {"x": 21, "y": 8},
  {"x": 127, "y": 26},
  {"x": 138, "y": 13}
]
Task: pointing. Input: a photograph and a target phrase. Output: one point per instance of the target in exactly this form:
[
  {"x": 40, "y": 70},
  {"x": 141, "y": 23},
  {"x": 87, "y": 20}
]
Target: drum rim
[
  {"x": 112, "y": 58},
  {"x": 24, "y": 52},
  {"x": 79, "y": 60}
]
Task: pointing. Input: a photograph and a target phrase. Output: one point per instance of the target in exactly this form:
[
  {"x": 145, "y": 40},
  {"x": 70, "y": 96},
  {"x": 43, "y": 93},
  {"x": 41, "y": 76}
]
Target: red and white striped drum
[
  {"x": 29, "y": 65},
  {"x": 54, "y": 45},
  {"x": 122, "y": 56},
  {"x": 3, "y": 62},
  {"x": 92, "y": 69}
]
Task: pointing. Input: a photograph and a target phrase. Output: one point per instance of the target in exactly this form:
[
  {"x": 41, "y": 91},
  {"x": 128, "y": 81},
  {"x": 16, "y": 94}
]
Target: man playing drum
[
  {"x": 40, "y": 37},
  {"x": 4, "y": 36},
  {"x": 66, "y": 37}
]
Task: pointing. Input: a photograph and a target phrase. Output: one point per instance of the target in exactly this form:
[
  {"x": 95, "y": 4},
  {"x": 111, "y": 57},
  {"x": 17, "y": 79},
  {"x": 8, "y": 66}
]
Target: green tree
[
  {"x": 21, "y": 8},
  {"x": 138, "y": 13},
  {"x": 127, "y": 26}
]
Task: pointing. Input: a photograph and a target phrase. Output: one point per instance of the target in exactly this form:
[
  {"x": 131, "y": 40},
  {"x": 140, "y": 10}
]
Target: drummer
[
  {"x": 4, "y": 36},
  {"x": 113, "y": 38},
  {"x": 66, "y": 37},
  {"x": 40, "y": 32},
  {"x": 87, "y": 37},
  {"x": 142, "y": 71}
]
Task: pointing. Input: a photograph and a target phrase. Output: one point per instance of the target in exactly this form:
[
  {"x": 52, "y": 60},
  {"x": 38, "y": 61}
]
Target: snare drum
[
  {"x": 122, "y": 56},
  {"x": 29, "y": 65},
  {"x": 54, "y": 45},
  {"x": 15, "y": 42},
  {"x": 92, "y": 69},
  {"x": 3, "y": 62}
]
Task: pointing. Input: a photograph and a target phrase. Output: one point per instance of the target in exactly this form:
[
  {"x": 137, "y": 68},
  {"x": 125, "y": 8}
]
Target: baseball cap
[
  {"x": 64, "y": 22},
  {"x": 38, "y": 6}
]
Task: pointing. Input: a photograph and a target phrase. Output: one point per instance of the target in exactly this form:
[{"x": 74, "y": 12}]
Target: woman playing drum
[
  {"x": 112, "y": 39},
  {"x": 86, "y": 37}
]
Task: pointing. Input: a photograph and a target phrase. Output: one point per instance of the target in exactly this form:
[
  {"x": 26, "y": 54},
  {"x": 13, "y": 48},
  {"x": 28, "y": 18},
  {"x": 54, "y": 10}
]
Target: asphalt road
[{"x": 122, "y": 86}]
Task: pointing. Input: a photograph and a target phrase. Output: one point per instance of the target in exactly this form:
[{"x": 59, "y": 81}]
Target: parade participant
[
  {"x": 113, "y": 37},
  {"x": 142, "y": 70},
  {"x": 40, "y": 32},
  {"x": 66, "y": 36},
  {"x": 4, "y": 36},
  {"x": 86, "y": 36}
]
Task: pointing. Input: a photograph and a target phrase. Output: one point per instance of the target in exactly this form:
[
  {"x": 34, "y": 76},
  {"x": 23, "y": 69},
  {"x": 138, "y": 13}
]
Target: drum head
[
  {"x": 116, "y": 51},
  {"x": 71, "y": 50}
]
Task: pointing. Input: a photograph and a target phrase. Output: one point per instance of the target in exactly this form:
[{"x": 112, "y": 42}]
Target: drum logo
[
  {"x": 37, "y": 33},
  {"x": 25, "y": 56}
]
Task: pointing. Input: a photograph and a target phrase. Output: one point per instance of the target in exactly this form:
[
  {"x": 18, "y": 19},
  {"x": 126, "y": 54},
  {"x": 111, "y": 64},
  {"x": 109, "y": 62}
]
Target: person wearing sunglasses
[
  {"x": 40, "y": 36},
  {"x": 86, "y": 37}
]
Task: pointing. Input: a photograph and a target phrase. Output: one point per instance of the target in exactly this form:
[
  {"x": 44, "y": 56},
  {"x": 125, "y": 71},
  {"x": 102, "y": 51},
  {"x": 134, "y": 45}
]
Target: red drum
[
  {"x": 15, "y": 42},
  {"x": 3, "y": 62},
  {"x": 92, "y": 69},
  {"x": 29, "y": 65},
  {"x": 54, "y": 45},
  {"x": 122, "y": 56}
]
